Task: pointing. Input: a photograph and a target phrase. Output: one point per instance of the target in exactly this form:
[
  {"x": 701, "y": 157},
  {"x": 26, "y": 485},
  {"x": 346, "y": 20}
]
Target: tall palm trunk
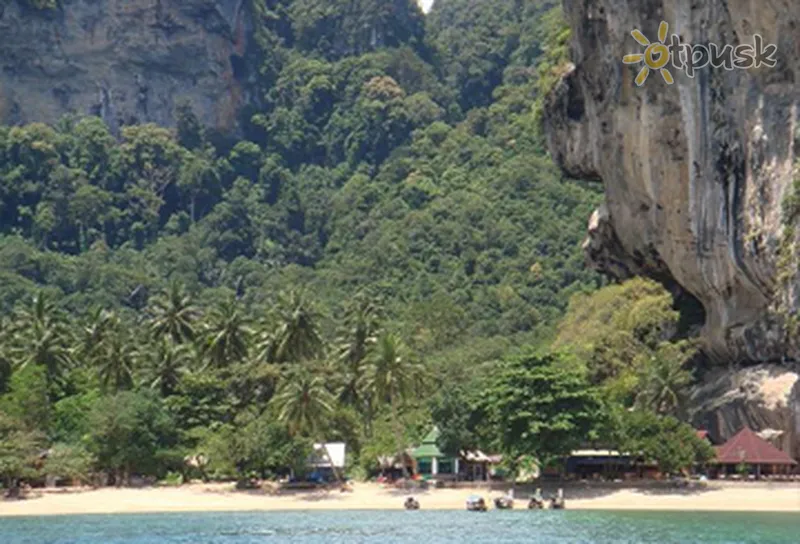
[
  {"x": 369, "y": 415},
  {"x": 398, "y": 437},
  {"x": 330, "y": 460}
]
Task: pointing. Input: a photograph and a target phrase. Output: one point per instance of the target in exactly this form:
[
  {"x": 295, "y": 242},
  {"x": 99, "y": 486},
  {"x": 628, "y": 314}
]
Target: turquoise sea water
[{"x": 406, "y": 528}]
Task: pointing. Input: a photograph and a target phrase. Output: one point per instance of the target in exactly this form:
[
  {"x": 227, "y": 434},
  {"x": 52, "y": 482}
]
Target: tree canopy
[{"x": 541, "y": 409}]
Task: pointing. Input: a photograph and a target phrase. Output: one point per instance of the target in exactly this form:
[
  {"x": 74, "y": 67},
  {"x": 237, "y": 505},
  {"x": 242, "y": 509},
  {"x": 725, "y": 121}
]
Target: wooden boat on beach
[
  {"x": 476, "y": 503},
  {"x": 557, "y": 501},
  {"x": 536, "y": 501}
]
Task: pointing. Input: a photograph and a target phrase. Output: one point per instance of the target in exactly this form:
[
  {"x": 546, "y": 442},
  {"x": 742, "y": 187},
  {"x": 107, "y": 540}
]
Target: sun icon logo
[{"x": 655, "y": 57}]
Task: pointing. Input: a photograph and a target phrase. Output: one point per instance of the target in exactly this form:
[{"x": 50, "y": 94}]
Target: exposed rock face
[
  {"x": 695, "y": 173},
  {"x": 765, "y": 398},
  {"x": 124, "y": 60}
]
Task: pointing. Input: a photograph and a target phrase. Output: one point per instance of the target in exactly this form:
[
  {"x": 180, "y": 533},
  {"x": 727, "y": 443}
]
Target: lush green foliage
[
  {"x": 19, "y": 449},
  {"x": 675, "y": 446},
  {"x": 129, "y": 432},
  {"x": 255, "y": 445},
  {"x": 626, "y": 338},
  {"x": 459, "y": 414},
  {"x": 618, "y": 381},
  {"x": 541, "y": 409},
  {"x": 70, "y": 461}
]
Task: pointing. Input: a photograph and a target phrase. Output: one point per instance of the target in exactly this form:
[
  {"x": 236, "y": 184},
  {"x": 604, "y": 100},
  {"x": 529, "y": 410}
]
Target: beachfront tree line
[
  {"x": 143, "y": 396},
  {"x": 249, "y": 390},
  {"x": 616, "y": 375}
]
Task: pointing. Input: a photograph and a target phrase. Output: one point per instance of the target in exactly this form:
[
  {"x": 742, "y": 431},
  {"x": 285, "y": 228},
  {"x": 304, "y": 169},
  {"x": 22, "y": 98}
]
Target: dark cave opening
[{"x": 692, "y": 313}]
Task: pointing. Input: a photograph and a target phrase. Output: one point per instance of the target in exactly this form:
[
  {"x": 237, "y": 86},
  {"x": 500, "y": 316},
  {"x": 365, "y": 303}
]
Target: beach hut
[
  {"x": 599, "y": 464},
  {"x": 432, "y": 462},
  {"x": 391, "y": 466},
  {"x": 475, "y": 465},
  {"x": 747, "y": 449},
  {"x": 326, "y": 458}
]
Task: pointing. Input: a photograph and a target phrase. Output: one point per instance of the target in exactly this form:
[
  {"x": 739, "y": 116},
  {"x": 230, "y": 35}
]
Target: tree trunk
[
  {"x": 81, "y": 240},
  {"x": 330, "y": 460},
  {"x": 369, "y": 412},
  {"x": 12, "y": 488},
  {"x": 398, "y": 437}
]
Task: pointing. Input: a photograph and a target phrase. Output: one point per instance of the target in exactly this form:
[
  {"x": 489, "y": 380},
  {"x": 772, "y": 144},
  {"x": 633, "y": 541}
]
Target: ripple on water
[{"x": 422, "y": 527}]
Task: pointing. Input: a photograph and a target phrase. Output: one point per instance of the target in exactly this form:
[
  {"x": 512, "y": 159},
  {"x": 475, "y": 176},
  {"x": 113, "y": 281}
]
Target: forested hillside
[
  {"x": 386, "y": 221},
  {"x": 370, "y": 170}
]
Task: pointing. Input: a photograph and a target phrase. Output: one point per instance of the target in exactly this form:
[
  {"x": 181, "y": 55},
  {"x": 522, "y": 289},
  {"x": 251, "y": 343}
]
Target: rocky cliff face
[
  {"x": 695, "y": 173},
  {"x": 124, "y": 60},
  {"x": 765, "y": 398}
]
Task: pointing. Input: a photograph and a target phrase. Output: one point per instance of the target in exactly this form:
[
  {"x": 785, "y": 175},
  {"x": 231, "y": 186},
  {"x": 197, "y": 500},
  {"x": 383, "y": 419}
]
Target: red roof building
[{"x": 748, "y": 448}]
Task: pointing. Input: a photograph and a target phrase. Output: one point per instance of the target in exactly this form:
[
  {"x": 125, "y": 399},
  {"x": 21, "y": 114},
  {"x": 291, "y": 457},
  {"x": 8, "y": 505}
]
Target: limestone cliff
[
  {"x": 765, "y": 398},
  {"x": 125, "y": 60},
  {"x": 695, "y": 173}
]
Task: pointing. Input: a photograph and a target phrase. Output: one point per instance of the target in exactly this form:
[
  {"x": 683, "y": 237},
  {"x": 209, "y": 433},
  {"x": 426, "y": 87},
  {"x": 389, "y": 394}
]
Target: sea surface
[{"x": 420, "y": 527}]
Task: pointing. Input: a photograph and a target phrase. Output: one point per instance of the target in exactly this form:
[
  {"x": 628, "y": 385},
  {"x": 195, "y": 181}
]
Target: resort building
[
  {"x": 747, "y": 451},
  {"x": 594, "y": 464},
  {"x": 432, "y": 463},
  {"x": 605, "y": 464}
]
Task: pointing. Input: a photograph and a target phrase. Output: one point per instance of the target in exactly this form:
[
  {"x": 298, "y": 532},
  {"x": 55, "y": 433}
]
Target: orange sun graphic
[{"x": 655, "y": 57}]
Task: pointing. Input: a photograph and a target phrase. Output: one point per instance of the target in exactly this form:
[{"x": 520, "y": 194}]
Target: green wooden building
[{"x": 431, "y": 462}]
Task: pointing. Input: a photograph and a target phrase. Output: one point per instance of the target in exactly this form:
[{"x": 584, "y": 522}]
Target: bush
[
  {"x": 72, "y": 462},
  {"x": 173, "y": 479}
]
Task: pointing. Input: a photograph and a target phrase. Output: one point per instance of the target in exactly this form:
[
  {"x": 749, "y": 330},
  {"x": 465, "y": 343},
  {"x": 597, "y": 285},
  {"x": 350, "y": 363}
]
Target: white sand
[
  {"x": 749, "y": 497},
  {"x": 222, "y": 497}
]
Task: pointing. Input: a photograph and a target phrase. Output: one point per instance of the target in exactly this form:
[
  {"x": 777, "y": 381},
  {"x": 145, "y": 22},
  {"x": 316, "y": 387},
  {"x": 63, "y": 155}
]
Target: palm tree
[
  {"x": 663, "y": 382},
  {"x": 227, "y": 335},
  {"x": 358, "y": 337},
  {"x": 254, "y": 382},
  {"x": 305, "y": 405},
  {"x": 40, "y": 336},
  {"x": 169, "y": 362},
  {"x": 116, "y": 361},
  {"x": 105, "y": 344},
  {"x": 392, "y": 376},
  {"x": 297, "y": 337},
  {"x": 100, "y": 324},
  {"x": 173, "y": 315}
]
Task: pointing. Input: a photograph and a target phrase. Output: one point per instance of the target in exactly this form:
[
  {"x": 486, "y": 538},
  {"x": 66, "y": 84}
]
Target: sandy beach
[{"x": 367, "y": 496}]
